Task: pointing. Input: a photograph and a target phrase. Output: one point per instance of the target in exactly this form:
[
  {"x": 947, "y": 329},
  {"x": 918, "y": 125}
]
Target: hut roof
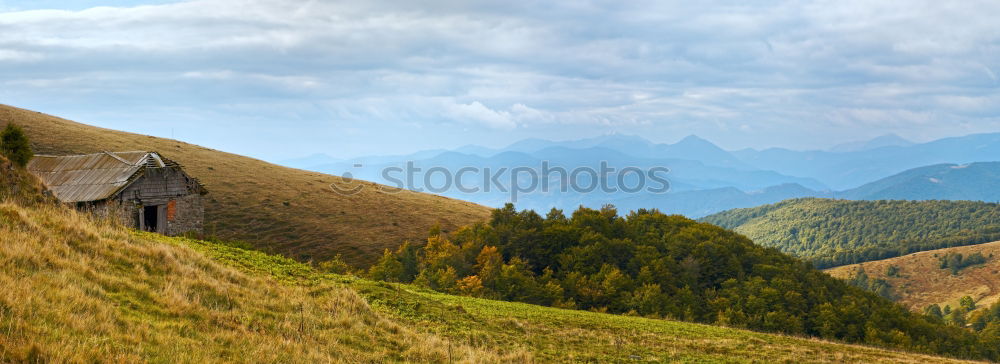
[{"x": 93, "y": 177}]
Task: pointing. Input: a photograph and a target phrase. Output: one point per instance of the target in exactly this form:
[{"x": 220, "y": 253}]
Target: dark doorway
[{"x": 150, "y": 218}]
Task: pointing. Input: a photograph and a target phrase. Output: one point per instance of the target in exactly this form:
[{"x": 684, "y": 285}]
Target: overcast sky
[{"x": 277, "y": 79}]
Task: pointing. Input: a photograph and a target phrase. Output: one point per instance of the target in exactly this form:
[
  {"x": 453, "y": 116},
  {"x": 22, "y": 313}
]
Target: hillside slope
[
  {"x": 16, "y": 184},
  {"x": 921, "y": 281},
  {"x": 278, "y": 209},
  {"x": 838, "y": 232},
  {"x": 85, "y": 291}
]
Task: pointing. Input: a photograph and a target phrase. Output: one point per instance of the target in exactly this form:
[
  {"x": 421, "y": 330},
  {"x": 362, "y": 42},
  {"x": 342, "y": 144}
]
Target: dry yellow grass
[
  {"x": 921, "y": 282},
  {"x": 17, "y": 184},
  {"x": 76, "y": 290},
  {"x": 277, "y": 209}
]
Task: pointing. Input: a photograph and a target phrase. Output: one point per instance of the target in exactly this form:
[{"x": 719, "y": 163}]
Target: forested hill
[
  {"x": 654, "y": 265},
  {"x": 837, "y": 232}
]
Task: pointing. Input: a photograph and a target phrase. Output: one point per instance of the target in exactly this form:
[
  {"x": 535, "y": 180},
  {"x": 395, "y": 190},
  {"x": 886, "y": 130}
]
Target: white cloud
[
  {"x": 786, "y": 73},
  {"x": 476, "y": 112}
]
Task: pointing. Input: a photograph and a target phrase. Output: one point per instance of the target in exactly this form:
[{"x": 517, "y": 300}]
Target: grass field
[
  {"x": 921, "y": 282},
  {"x": 277, "y": 209},
  {"x": 81, "y": 290}
]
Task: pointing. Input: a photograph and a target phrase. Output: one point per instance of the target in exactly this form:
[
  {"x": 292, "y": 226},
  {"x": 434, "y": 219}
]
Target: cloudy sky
[{"x": 278, "y": 79}]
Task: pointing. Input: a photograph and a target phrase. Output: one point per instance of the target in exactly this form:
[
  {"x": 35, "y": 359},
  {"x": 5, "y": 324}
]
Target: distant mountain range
[
  {"x": 690, "y": 148},
  {"x": 704, "y": 178},
  {"x": 845, "y": 170}
]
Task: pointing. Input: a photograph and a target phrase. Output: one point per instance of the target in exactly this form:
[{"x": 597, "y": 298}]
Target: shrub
[
  {"x": 336, "y": 266},
  {"x": 15, "y": 146}
]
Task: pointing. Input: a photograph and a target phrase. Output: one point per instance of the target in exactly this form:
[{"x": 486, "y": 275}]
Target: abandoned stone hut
[{"x": 146, "y": 190}]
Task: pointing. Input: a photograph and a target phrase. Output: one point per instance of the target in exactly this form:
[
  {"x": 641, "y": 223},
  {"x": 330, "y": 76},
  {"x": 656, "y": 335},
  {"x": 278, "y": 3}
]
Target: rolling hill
[
  {"x": 663, "y": 266},
  {"x": 838, "y": 232},
  {"x": 920, "y": 281},
  {"x": 78, "y": 289},
  {"x": 277, "y": 209}
]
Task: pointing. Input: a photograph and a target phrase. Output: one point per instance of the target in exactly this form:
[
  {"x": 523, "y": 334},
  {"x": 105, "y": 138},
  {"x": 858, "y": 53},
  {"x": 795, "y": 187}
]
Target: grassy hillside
[
  {"x": 81, "y": 290},
  {"x": 838, "y": 232},
  {"x": 919, "y": 281},
  {"x": 278, "y": 209},
  {"x": 16, "y": 184}
]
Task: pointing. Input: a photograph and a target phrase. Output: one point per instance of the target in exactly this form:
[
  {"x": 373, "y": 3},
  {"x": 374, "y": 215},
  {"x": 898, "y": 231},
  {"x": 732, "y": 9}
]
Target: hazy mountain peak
[
  {"x": 694, "y": 139},
  {"x": 694, "y": 143},
  {"x": 892, "y": 137}
]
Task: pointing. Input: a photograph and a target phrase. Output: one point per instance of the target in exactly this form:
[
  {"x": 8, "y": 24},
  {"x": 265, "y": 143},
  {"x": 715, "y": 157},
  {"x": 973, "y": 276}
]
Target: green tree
[
  {"x": 438, "y": 279},
  {"x": 957, "y": 317},
  {"x": 934, "y": 311},
  {"x": 954, "y": 262},
  {"x": 15, "y": 146},
  {"x": 967, "y": 303},
  {"x": 408, "y": 256},
  {"x": 400, "y": 266},
  {"x": 388, "y": 268},
  {"x": 488, "y": 265},
  {"x": 892, "y": 271}
]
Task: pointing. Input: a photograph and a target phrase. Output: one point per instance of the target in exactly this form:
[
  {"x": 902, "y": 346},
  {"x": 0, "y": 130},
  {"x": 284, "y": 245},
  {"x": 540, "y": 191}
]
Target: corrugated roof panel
[{"x": 88, "y": 177}]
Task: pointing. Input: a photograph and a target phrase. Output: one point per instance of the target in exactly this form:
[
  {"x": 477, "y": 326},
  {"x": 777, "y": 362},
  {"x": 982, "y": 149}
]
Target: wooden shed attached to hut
[{"x": 148, "y": 191}]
